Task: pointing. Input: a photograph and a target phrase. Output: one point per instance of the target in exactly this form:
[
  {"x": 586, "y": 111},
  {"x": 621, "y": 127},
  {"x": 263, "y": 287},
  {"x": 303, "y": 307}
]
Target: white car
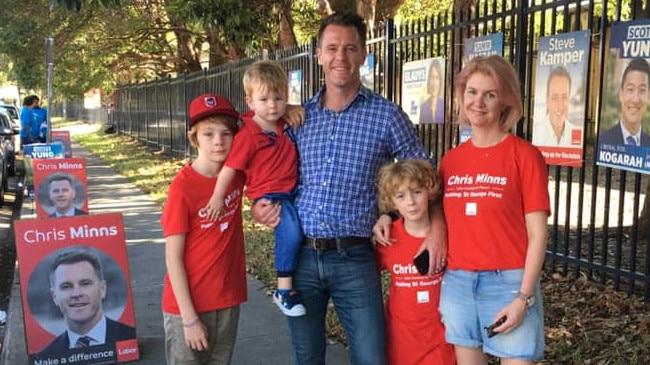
[{"x": 14, "y": 114}]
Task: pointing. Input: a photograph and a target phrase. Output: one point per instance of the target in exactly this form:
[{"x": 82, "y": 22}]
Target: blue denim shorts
[{"x": 469, "y": 301}]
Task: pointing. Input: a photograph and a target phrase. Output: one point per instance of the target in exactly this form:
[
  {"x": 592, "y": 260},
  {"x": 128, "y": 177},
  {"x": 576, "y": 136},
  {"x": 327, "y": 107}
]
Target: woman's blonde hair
[
  {"x": 412, "y": 171},
  {"x": 508, "y": 87}
]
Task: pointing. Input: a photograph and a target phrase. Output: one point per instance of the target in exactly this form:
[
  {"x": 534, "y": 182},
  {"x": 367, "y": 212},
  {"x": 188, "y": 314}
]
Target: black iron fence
[{"x": 594, "y": 228}]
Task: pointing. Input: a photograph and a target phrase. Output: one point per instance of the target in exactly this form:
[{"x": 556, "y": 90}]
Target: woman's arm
[{"x": 536, "y": 227}]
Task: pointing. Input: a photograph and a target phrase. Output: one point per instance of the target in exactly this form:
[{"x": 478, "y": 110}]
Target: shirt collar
[
  {"x": 626, "y": 133},
  {"x": 68, "y": 213},
  {"x": 97, "y": 334},
  {"x": 362, "y": 92}
]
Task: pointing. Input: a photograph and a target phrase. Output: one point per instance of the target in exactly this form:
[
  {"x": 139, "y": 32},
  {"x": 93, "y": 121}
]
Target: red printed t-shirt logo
[{"x": 210, "y": 101}]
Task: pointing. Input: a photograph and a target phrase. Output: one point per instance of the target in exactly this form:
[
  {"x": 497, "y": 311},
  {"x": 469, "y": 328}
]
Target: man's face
[
  {"x": 62, "y": 195},
  {"x": 557, "y": 99},
  {"x": 341, "y": 54},
  {"x": 78, "y": 293},
  {"x": 634, "y": 99}
]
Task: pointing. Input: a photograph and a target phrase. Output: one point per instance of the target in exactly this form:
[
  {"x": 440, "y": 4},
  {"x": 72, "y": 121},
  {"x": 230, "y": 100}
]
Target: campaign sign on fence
[
  {"x": 76, "y": 290},
  {"x": 423, "y": 90},
  {"x": 37, "y": 150},
  {"x": 624, "y": 125},
  {"x": 367, "y": 71},
  {"x": 487, "y": 45},
  {"x": 63, "y": 138},
  {"x": 560, "y": 97},
  {"x": 60, "y": 187}
]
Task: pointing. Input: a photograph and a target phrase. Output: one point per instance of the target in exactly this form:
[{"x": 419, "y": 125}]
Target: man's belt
[{"x": 331, "y": 243}]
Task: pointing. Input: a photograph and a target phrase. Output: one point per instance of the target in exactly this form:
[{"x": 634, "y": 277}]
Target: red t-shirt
[
  {"x": 414, "y": 332},
  {"x": 486, "y": 194},
  {"x": 268, "y": 160},
  {"x": 214, "y": 250}
]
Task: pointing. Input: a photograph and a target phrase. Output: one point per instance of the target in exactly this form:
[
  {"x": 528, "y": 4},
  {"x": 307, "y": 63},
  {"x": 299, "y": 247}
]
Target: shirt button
[{"x": 324, "y": 183}]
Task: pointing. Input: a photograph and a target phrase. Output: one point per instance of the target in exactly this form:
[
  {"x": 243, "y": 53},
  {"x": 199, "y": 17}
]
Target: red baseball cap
[{"x": 206, "y": 105}]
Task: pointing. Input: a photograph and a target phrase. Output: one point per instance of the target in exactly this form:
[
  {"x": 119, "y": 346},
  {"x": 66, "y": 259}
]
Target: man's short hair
[
  {"x": 345, "y": 19},
  {"x": 559, "y": 72},
  {"x": 73, "y": 257},
  {"x": 637, "y": 64},
  {"x": 60, "y": 177}
]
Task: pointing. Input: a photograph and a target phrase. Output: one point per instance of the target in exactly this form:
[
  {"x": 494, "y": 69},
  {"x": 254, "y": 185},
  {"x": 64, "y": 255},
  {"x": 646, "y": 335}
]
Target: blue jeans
[
  {"x": 288, "y": 235},
  {"x": 350, "y": 277}
]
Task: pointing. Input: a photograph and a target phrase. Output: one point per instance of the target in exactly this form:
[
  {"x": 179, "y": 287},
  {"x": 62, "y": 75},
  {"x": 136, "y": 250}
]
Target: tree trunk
[{"x": 287, "y": 37}]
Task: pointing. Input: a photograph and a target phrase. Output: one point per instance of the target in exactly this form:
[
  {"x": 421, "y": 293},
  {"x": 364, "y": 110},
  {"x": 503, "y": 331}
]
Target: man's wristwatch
[{"x": 528, "y": 299}]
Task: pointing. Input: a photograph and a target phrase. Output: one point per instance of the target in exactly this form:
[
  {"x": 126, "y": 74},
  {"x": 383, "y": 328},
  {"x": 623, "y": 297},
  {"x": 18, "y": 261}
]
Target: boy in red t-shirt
[
  {"x": 415, "y": 334},
  {"x": 206, "y": 275},
  {"x": 266, "y": 154}
]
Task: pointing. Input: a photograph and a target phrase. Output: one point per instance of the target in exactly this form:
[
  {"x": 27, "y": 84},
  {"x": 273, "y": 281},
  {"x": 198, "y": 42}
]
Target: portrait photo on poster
[
  {"x": 62, "y": 195},
  {"x": 66, "y": 150},
  {"x": 76, "y": 287}
]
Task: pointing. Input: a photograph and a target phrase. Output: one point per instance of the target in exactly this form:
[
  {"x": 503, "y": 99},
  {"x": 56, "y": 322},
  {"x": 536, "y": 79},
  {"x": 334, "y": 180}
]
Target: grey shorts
[{"x": 222, "y": 332}]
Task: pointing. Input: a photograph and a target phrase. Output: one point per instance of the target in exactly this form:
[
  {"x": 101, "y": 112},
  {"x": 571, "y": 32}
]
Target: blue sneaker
[{"x": 289, "y": 303}]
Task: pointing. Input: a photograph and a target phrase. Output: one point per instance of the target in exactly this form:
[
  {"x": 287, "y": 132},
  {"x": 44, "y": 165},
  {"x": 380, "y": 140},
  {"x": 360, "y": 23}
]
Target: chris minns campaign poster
[{"x": 76, "y": 290}]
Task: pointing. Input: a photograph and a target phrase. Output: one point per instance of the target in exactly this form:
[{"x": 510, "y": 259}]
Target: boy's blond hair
[
  {"x": 230, "y": 123},
  {"x": 268, "y": 74},
  {"x": 412, "y": 171}
]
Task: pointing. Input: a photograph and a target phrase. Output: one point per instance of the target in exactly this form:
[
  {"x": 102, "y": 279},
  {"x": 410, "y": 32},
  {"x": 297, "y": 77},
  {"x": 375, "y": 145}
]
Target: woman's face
[{"x": 482, "y": 102}]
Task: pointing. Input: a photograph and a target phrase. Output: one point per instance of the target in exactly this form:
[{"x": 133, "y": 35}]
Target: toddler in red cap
[
  {"x": 205, "y": 280},
  {"x": 266, "y": 154}
]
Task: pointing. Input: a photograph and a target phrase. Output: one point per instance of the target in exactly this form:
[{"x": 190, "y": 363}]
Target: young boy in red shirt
[
  {"x": 206, "y": 275},
  {"x": 415, "y": 334},
  {"x": 266, "y": 154}
]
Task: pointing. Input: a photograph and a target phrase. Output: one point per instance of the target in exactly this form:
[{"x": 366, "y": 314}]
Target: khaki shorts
[{"x": 222, "y": 332}]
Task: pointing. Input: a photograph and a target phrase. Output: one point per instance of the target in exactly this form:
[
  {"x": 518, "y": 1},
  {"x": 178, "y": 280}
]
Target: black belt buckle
[
  {"x": 331, "y": 243},
  {"x": 320, "y": 243}
]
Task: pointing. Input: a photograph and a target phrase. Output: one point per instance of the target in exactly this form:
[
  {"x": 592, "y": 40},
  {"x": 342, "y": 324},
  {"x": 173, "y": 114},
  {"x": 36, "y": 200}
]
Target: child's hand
[
  {"x": 196, "y": 336},
  {"x": 214, "y": 208},
  {"x": 294, "y": 115}
]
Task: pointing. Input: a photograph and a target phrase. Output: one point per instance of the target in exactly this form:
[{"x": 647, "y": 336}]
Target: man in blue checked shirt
[{"x": 349, "y": 132}]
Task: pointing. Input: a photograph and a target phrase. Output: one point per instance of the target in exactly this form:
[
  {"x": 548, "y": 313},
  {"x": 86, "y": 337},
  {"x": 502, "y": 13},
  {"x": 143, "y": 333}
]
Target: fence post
[
  {"x": 521, "y": 56},
  {"x": 389, "y": 59},
  {"x": 313, "y": 70}
]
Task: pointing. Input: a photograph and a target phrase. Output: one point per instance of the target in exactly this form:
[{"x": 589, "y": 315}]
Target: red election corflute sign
[{"x": 76, "y": 290}]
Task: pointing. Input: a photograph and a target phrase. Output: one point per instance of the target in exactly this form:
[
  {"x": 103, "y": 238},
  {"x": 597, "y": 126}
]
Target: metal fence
[{"x": 594, "y": 225}]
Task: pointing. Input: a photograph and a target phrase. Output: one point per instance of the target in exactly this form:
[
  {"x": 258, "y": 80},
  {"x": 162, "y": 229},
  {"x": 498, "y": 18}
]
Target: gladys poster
[
  {"x": 488, "y": 45},
  {"x": 623, "y": 127},
  {"x": 367, "y": 72},
  {"x": 76, "y": 290},
  {"x": 60, "y": 187},
  {"x": 423, "y": 90},
  {"x": 295, "y": 87},
  {"x": 561, "y": 96},
  {"x": 62, "y": 137}
]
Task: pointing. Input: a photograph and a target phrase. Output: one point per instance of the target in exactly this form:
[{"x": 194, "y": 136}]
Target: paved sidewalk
[{"x": 263, "y": 335}]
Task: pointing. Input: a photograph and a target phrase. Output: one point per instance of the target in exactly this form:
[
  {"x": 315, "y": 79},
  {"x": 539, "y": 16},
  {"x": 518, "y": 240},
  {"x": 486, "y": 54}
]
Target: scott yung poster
[
  {"x": 76, "y": 290},
  {"x": 623, "y": 139}
]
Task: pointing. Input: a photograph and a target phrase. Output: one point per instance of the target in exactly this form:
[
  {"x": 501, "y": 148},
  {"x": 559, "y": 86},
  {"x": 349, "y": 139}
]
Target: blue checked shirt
[{"x": 339, "y": 156}]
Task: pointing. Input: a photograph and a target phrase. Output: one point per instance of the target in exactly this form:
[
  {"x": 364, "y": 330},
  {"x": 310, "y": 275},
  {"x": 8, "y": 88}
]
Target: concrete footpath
[{"x": 263, "y": 336}]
